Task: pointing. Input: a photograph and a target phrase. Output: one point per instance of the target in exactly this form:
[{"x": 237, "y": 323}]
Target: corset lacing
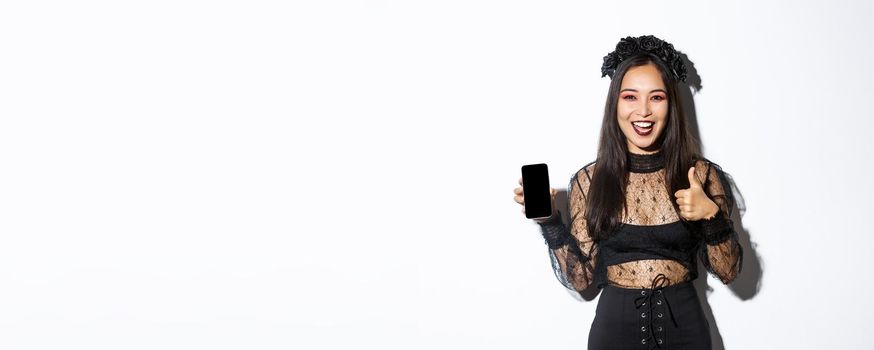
[{"x": 654, "y": 305}]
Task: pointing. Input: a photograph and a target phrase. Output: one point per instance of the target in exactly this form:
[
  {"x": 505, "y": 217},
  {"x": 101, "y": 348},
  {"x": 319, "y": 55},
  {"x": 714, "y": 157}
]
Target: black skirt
[{"x": 661, "y": 317}]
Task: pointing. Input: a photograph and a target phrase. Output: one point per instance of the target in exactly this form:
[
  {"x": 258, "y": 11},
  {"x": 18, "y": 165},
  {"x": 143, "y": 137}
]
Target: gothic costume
[{"x": 645, "y": 268}]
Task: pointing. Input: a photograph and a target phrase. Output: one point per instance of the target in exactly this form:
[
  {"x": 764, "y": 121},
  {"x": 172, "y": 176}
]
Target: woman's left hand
[{"x": 694, "y": 203}]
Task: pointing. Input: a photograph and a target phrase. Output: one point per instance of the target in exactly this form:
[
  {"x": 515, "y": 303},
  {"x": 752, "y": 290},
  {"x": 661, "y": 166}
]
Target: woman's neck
[{"x": 645, "y": 163}]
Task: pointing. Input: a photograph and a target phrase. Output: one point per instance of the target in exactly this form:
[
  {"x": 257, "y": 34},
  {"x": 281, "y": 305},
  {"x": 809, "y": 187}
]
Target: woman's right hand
[{"x": 520, "y": 198}]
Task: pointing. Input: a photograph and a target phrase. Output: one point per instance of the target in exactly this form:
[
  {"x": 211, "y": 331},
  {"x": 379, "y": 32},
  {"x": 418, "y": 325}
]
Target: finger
[
  {"x": 517, "y": 190},
  {"x": 519, "y": 199},
  {"x": 680, "y": 193},
  {"x": 693, "y": 181}
]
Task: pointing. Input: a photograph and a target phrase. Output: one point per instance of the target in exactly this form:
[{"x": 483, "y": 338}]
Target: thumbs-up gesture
[{"x": 693, "y": 202}]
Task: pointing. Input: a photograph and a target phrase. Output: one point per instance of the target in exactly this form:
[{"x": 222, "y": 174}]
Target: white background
[{"x": 331, "y": 175}]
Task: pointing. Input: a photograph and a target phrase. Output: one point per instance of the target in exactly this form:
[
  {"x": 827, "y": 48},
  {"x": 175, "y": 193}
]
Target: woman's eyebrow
[{"x": 630, "y": 89}]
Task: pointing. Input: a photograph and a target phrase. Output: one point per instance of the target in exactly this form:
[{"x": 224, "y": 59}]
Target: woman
[{"x": 644, "y": 211}]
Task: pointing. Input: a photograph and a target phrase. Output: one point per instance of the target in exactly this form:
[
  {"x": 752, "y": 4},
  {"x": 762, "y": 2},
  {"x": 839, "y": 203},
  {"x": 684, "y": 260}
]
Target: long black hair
[{"x": 606, "y": 198}]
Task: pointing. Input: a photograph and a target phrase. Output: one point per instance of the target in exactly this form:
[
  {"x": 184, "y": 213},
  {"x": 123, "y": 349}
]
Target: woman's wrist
[
  {"x": 545, "y": 220},
  {"x": 716, "y": 228},
  {"x": 713, "y": 212},
  {"x": 555, "y": 233}
]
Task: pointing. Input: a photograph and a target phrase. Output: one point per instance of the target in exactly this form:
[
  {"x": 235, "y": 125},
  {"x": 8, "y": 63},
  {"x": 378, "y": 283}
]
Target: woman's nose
[{"x": 645, "y": 110}]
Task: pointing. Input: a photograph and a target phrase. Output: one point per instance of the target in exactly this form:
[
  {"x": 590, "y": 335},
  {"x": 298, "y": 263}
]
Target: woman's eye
[{"x": 630, "y": 97}]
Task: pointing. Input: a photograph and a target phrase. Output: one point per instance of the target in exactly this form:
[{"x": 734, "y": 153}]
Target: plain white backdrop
[{"x": 339, "y": 174}]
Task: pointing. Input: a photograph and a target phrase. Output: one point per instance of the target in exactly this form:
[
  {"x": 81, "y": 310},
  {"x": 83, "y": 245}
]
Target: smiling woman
[
  {"x": 644, "y": 211},
  {"x": 642, "y": 108}
]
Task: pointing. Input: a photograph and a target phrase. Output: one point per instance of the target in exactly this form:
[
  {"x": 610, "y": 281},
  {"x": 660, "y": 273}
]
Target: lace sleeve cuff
[
  {"x": 555, "y": 233},
  {"x": 716, "y": 230}
]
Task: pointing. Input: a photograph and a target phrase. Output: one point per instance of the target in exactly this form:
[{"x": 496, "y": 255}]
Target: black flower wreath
[{"x": 630, "y": 46}]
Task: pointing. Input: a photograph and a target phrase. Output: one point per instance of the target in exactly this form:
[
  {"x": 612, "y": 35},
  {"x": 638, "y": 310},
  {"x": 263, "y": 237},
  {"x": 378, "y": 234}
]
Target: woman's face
[{"x": 642, "y": 108}]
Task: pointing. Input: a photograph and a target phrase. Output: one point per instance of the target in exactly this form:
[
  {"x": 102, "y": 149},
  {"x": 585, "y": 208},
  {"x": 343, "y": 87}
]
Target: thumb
[{"x": 693, "y": 181}]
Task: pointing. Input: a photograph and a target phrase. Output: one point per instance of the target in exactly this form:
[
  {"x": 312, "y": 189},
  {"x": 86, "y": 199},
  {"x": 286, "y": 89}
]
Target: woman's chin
[
  {"x": 648, "y": 147},
  {"x": 646, "y": 143}
]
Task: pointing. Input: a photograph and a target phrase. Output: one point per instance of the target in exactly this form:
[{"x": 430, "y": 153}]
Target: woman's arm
[
  {"x": 571, "y": 249},
  {"x": 719, "y": 249}
]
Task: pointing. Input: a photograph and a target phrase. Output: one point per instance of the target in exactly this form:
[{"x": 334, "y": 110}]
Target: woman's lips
[{"x": 643, "y": 131}]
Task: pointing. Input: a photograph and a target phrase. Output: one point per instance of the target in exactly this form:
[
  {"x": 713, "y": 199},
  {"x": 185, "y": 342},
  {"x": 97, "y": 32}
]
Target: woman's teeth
[{"x": 643, "y": 128}]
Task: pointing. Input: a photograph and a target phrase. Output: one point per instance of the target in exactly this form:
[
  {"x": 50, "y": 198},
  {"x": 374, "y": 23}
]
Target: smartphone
[{"x": 535, "y": 188}]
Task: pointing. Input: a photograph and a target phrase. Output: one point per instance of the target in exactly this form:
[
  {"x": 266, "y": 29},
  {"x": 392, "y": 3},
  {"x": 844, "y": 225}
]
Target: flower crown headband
[{"x": 630, "y": 46}]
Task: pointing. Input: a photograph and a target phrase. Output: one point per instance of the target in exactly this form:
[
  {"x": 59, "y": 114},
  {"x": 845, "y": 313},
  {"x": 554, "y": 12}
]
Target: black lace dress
[{"x": 645, "y": 269}]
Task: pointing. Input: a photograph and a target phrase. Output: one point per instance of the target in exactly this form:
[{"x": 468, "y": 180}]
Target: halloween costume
[{"x": 645, "y": 268}]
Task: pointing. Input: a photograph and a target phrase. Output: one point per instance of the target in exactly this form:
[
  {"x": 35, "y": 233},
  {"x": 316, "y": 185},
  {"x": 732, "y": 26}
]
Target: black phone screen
[{"x": 535, "y": 188}]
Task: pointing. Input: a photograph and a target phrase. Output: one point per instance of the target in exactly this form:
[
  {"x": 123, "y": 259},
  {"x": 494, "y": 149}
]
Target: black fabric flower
[
  {"x": 609, "y": 61},
  {"x": 630, "y": 46},
  {"x": 650, "y": 43},
  {"x": 626, "y": 47},
  {"x": 680, "y": 68}
]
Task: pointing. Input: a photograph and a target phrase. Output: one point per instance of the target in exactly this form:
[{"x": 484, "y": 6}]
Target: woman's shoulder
[
  {"x": 582, "y": 178},
  {"x": 708, "y": 169},
  {"x": 706, "y": 163},
  {"x": 585, "y": 172}
]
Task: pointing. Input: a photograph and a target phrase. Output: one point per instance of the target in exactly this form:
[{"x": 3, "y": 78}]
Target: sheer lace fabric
[
  {"x": 648, "y": 204},
  {"x": 653, "y": 239}
]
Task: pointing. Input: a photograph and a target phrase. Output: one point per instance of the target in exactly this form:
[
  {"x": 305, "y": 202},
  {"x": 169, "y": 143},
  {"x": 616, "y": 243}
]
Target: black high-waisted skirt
[{"x": 652, "y": 318}]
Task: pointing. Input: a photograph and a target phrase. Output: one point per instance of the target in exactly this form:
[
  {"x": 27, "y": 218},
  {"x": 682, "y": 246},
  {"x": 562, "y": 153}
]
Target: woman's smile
[{"x": 643, "y": 128}]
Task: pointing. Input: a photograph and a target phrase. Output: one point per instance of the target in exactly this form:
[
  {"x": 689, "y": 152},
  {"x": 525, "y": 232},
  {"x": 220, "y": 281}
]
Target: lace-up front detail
[{"x": 653, "y": 306}]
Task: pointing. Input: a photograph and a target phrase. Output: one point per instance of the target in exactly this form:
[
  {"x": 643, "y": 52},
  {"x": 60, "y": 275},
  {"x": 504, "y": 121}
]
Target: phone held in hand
[{"x": 535, "y": 188}]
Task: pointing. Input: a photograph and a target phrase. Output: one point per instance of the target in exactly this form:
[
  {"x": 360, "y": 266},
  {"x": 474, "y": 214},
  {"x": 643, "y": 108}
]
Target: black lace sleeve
[
  {"x": 719, "y": 248},
  {"x": 571, "y": 249}
]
